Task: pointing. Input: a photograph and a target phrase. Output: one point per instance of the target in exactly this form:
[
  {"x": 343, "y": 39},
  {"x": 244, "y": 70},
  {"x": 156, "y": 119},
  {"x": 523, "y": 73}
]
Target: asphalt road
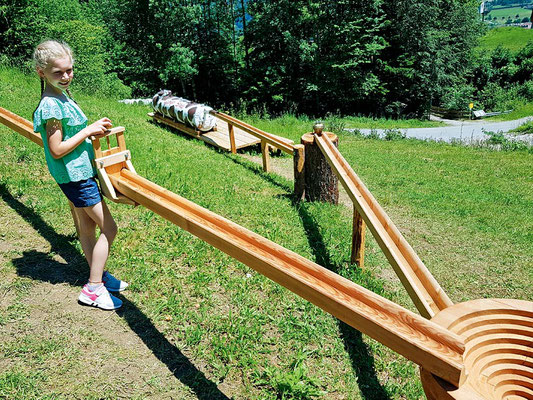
[{"x": 464, "y": 131}]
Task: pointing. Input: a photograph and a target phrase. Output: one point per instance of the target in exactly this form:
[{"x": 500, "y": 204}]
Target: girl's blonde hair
[{"x": 50, "y": 50}]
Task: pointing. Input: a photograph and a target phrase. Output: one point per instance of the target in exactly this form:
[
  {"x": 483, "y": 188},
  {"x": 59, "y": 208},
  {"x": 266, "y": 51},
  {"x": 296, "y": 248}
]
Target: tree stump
[{"x": 321, "y": 183}]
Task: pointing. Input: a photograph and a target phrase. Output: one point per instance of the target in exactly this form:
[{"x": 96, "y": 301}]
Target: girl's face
[{"x": 57, "y": 74}]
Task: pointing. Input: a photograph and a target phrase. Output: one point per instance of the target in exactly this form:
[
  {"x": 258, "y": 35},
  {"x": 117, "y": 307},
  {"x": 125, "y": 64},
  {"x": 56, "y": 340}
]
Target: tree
[{"x": 430, "y": 49}]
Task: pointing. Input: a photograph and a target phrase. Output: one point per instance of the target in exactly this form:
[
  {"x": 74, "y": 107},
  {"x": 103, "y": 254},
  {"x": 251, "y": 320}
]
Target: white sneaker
[
  {"x": 100, "y": 298},
  {"x": 113, "y": 284}
]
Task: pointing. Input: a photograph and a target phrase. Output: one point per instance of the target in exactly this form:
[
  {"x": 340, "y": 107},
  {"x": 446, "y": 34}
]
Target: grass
[
  {"x": 522, "y": 110},
  {"x": 510, "y": 13},
  {"x": 196, "y": 323},
  {"x": 524, "y": 128},
  {"x": 511, "y": 37}
]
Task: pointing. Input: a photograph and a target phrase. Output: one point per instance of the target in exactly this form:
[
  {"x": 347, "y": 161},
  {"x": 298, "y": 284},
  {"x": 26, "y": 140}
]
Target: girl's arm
[{"x": 54, "y": 134}]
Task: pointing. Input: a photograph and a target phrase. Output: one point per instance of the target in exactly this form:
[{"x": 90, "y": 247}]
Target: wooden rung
[{"x": 106, "y": 161}]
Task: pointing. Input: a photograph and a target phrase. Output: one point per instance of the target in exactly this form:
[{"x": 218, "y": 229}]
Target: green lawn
[
  {"x": 510, "y": 37},
  {"x": 214, "y": 325},
  {"x": 510, "y": 12}
]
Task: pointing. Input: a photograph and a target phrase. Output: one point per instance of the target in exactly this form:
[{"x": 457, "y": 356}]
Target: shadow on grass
[
  {"x": 40, "y": 266},
  {"x": 258, "y": 170},
  {"x": 360, "y": 356}
]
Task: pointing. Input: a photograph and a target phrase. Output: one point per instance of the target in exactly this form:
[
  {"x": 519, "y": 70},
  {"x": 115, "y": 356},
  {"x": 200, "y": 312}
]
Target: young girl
[{"x": 69, "y": 154}]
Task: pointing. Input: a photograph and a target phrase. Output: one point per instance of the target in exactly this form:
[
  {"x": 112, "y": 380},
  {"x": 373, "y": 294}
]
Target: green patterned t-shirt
[{"x": 76, "y": 165}]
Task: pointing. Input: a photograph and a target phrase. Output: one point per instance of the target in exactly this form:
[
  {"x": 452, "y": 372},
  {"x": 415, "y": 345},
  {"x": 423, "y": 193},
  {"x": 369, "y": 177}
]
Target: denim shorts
[{"x": 82, "y": 193}]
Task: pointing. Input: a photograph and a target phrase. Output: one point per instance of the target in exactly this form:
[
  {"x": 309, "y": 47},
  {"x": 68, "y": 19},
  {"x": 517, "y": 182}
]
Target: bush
[
  {"x": 394, "y": 134},
  {"x": 91, "y": 60},
  {"x": 458, "y": 97}
]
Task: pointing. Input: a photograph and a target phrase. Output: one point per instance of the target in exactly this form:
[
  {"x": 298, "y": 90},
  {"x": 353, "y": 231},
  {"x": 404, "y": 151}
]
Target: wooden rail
[
  {"x": 20, "y": 125},
  {"x": 422, "y": 287},
  {"x": 266, "y": 138},
  {"x": 405, "y": 332}
]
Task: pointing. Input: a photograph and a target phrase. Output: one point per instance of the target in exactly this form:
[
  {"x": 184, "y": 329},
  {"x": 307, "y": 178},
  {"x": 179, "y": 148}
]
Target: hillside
[
  {"x": 512, "y": 38},
  {"x": 199, "y": 325}
]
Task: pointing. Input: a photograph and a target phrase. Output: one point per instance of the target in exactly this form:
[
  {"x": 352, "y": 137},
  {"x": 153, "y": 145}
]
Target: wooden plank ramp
[
  {"x": 424, "y": 290},
  {"x": 219, "y": 138}
]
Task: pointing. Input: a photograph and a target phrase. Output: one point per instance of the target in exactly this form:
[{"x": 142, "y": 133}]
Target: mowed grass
[
  {"x": 510, "y": 13},
  {"x": 510, "y": 37},
  {"x": 467, "y": 212}
]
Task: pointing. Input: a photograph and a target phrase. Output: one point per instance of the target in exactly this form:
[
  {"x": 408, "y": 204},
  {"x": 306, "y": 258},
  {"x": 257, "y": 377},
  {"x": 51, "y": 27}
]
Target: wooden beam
[
  {"x": 20, "y": 125},
  {"x": 299, "y": 172},
  {"x": 358, "y": 239},
  {"x": 422, "y": 287},
  {"x": 231, "y": 131},
  {"x": 279, "y": 143},
  {"x": 265, "y": 153},
  {"x": 416, "y": 338},
  {"x": 174, "y": 124}
]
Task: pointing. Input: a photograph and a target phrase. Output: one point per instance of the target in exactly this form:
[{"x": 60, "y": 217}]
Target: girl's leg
[
  {"x": 87, "y": 233},
  {"x": 97, "y": 249}
]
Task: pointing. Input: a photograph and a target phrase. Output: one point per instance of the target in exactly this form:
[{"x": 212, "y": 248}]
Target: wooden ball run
[
  {"x": 498, "y": 357},
  {"x": 477, "y": 350}
]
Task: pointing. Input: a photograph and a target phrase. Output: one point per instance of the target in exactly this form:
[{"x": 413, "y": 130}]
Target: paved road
[{"x": 467, "y": 131}]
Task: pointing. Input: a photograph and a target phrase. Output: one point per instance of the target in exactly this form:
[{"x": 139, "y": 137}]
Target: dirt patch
[{"x": 79, "y": 351}]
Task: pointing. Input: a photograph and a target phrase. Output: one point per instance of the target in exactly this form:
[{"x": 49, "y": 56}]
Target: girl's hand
[{"x": 99, "y": 127}]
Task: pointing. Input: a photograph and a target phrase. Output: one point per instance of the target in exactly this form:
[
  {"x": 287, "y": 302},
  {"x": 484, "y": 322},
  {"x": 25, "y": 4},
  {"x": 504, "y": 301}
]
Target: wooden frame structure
[
  {"x": 478, "y": 350},
  {"x": 232, "y": 134}
]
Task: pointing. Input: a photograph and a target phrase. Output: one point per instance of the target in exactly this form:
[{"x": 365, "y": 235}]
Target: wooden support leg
[
  {"x": 358, "y": 240},
  {"x": 299, "y": 177},
  {"x": 75, "y": 218},
  {"x": 265, "y": 151},
  {"x": 232, "y": 138}
]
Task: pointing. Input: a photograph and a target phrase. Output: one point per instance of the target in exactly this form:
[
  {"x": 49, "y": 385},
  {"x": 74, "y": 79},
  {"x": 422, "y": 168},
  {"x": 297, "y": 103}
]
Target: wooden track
[
  {"x": 499, "y": 351},
  {"x": 218, "y": 138},
  {"x": 221, "y": 136},
  {"x": 496, "y": 362},
  {"x": 422, "y": 287},
  {"x": 20, "y": 125},
  {"x": 407, "y": 333}
]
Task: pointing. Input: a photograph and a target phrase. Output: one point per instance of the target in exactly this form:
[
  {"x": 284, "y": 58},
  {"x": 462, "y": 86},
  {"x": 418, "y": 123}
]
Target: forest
[{"x": 313, "y": 57}]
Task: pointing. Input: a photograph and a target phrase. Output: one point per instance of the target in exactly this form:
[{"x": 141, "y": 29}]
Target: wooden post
[
  {"x": 299, "y": 172},
  {"x": 265, "y": 152},
  {"x": 232, "y": 138},
  {"x": 358, "y": 239},
  {"x": 321, "y": 183}
]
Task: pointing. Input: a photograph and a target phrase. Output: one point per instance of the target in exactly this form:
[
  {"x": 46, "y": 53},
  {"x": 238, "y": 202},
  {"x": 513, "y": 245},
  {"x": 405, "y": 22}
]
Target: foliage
[
  {"x": 430, "y": 47},
  {"x": 378, "y": 58},
  {"x": 524, "y": 128},
  {"x": 458, "y": 97},
  {"x": 30, "y": 21},
  {"x": 293, "y": 384},
  {"x": 90, "y": 58},
  {"x": 503, "y": 142}
]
